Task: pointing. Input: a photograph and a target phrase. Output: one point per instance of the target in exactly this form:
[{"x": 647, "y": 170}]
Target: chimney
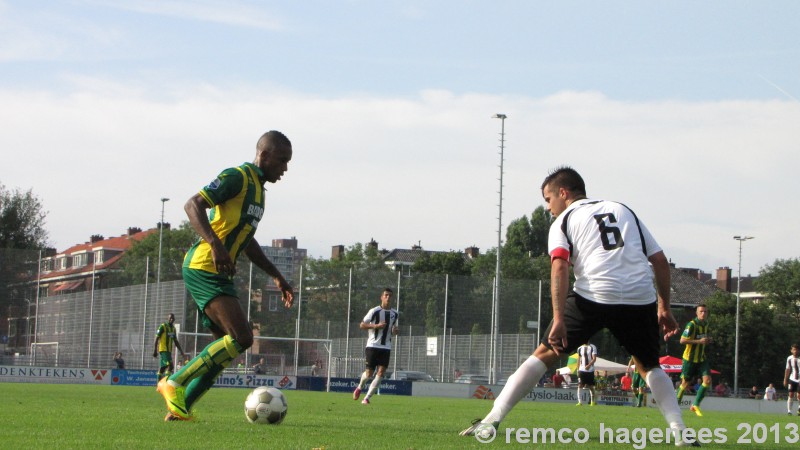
[
  {"x": 95, "y": 238},
  {"x": 472, "y": 252},
  {"x": 372, "y": 244},
  {"x": 337, "y": 252},
  {"x": 166, "y": 225},
  {"x": 724, "y": 278},
  {"x": 133, "y": 230},
  {"x": 285, "y": 243}
]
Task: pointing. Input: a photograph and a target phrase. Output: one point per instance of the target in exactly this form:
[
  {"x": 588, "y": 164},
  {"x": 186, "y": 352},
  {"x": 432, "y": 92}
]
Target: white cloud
[
  {"x": 402, "y": 170},
  {"x": 231, "y": 12}
]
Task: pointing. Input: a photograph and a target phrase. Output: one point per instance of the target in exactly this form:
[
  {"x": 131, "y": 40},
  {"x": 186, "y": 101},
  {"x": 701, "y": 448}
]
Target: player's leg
[
  {"x": 198, "y": 387},
  {"x": 376, "y": 382},
  {"x": 579, "y": 388},
  {"x": 790, "y": 398},
  {"x": 582, "y": 321},
  {"x": 369, "y": 369},
  {"x": 228, "y": 321},
  {"x": 641, "y": 340},
  {"x": 591, "y": 389}
]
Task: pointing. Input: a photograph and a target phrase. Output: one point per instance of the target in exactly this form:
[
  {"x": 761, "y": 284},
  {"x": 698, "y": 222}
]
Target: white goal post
[
  {"x": 35, "y": 345},
  {"x": 327, "y": 344}
]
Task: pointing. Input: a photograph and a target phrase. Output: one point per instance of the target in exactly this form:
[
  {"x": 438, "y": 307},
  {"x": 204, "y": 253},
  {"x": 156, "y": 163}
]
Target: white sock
[
  {"x": 374, "y": 386},
  {"x": 789, "y": 404},
  {"x": 579, "y": 395},
  {"x": 591, "y": 395},
  {"x": 664, "y": 395},
  {"x": 519, "y": 384},
  {"x": 364, "y": 378}
]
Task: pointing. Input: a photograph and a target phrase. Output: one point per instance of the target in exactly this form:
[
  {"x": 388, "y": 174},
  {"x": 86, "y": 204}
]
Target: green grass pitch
[{"x": 81, "y": 416}]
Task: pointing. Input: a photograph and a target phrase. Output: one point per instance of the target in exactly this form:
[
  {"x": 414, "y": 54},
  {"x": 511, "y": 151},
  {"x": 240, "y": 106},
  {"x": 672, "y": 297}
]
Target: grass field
[{"x": 81, "y": 416}]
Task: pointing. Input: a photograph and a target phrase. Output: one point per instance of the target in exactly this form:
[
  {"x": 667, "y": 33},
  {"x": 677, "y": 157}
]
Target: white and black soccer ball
[{"x": 265, "y": 405}]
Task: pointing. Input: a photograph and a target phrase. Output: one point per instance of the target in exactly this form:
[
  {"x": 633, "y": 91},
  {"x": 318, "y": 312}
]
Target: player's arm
[
  {"x": 257, "y": 256},
  {"x": 559, "y": 285},
  {"x": 661, "y": 270},
  {"x": 786, "y": 376},
  {"x": 155, "y": 344},
  {"x": 195, "y": 209}
]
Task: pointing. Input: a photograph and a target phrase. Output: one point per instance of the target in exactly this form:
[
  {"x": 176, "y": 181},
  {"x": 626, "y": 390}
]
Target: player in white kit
[
  {"x": 381, "y": 321},
  {"x": 610, "y": 251}
]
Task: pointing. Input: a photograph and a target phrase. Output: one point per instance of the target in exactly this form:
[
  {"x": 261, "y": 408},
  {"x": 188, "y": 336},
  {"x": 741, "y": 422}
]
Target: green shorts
[
  {"x": 206, "y": 286},
  {"x": 691, "y": 370},
  {"x": 637, "y": 381},
  {"x": 166, "y": 358}
]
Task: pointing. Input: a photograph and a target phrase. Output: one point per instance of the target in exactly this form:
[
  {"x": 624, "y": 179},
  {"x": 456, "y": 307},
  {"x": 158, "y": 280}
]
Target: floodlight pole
[
  {"x": 738, "y": 299},
  {"x": 160, "y": 240},
  {"x": 496, "y": 303}
]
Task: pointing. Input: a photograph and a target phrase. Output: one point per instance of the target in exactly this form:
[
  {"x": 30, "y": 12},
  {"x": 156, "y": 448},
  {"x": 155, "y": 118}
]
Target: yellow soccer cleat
[
  {"x": 696, "y": 409},
  {"x": 174, "y": 397}
]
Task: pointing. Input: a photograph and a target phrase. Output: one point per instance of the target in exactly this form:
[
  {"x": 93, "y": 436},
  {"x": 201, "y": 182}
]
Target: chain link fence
[{"x": 446, "y": 322}]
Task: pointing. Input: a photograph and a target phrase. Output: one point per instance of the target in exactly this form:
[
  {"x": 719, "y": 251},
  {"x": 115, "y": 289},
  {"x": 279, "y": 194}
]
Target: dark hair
[
  {"x": 389, "y": 290},
  {"x": 701, "y": 305},
  {"x": 565, "y": 177},
  {"x": 795, "y": 346},
  {"x": 272, "y": 139}
]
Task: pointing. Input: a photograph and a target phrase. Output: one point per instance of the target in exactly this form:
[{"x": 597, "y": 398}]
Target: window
[
  {"x": 98, "y": 257},
  {"x": 273, "y": 303},
  {"x": 62, "y": 263},
  {"x": 80, "y": 260}
]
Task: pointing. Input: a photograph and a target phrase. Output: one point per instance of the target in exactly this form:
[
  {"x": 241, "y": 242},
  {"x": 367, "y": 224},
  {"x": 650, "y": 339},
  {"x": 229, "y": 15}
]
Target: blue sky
[{"x": 685, "y": 111}]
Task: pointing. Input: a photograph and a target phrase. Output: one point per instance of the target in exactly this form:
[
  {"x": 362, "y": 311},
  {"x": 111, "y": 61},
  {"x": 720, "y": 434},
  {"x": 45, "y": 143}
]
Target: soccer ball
[{"x": 265, "y": 405}]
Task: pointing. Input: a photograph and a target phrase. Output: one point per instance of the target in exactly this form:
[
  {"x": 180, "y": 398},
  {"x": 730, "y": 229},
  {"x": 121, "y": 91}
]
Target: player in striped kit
[
  {"x": 791, "y": 378},
  {"x": 587, "y": 356},
  {"x": 695, "y": 364},
  {"x": 381, "y": 322},
  {"x": 610, "y": 251}
]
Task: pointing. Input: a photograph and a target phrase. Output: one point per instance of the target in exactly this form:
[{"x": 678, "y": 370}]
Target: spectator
[
  {"x": 314, "y": 369},
  {"x": 721, "y": 390},
  {"x": 626, "y": 382},
  {"x": 261, "y": 367},
  {"x": 118, "y": 359},
  {"x": 457, "y": 373},
  {"x": 770, "y": 393},
  {"x": 558, "y": 380},
  {"x": 753, "y": 393}
]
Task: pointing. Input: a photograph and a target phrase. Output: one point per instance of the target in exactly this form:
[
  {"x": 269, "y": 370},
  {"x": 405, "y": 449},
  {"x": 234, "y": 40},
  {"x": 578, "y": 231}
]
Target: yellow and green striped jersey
[
  {"x": 166, "y": 337},
  {"x": 237, "y": 200},
  {"x": 695, "y": 329}
]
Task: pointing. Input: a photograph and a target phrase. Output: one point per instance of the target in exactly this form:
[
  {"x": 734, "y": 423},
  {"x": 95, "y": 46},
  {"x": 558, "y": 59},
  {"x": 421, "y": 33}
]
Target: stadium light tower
[
  {"x": 738, "y": 297},
  {"x": 160, "y": 239},
  {"x": 496, "y": 306}
]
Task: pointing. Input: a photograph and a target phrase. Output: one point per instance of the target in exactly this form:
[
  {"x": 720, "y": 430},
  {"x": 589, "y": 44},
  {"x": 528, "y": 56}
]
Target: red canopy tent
[{"x": 671, "y": 364}]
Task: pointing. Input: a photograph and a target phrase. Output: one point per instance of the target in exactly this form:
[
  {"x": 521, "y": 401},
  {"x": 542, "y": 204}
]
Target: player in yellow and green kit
[
  {"x": 236, "y": 201},
  {"x": 695, "y": 337},
  {"x": 166, "y": 337}
]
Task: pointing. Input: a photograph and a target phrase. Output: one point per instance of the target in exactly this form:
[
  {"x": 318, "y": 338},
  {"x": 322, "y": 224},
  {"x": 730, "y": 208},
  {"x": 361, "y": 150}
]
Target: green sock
[
  {"x": 200, "y": 385},
  {"x": 219, "y": 353},
  {"x": 700, "y": 394},
  {"x": 680, "y": 393},
  {"x": 639, "y": 398}
]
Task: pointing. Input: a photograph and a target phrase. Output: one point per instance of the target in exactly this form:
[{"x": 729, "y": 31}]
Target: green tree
[
  {"x": 174, "y": 244},
  {"x": 21, "y": 220},
  {"x": 780, "y": 282},
  {"x": 529, "y": 236},
  {"x": 764, "y": 340},
  {"x": 452, "y": 262}
]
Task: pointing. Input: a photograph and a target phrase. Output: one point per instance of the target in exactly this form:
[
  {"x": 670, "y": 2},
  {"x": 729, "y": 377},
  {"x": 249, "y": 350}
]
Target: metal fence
[{"x": 446, "y": 322}]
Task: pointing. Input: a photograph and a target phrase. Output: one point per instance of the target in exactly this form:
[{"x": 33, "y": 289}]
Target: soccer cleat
[
  {"x": 476, "y": 424},
  {"x": 357, "y": 393},
  {"x": 789, "y": 413},
  {"x": 696, "y": 409},
  {"x": 681, "y": 443},
  {"x": 172, "y": 417},
  {"x": 174, "y": 397},
  {"x": 365, "y": 401},
  {"x": 579, "y": 404}
]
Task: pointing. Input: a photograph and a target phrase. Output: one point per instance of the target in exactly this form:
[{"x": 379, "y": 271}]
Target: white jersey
[
  {"x": 770, "y": 393},
  {"x": 793, "y": 366},
  {"x": 586, "y": 353},
  {"x": 381, "y": 338},
  {"x": 609, "y": 248}
]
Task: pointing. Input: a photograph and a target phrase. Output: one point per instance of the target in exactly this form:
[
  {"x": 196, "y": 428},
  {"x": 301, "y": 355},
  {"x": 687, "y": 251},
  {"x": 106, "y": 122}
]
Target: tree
[
  {"x": 174, "y": 244},
  {"x": 781, "y": 284},
  {"x": 21, "y": 220},
  {"x": 452, "y": 263},
  {"x": 529, "y": 236}
]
